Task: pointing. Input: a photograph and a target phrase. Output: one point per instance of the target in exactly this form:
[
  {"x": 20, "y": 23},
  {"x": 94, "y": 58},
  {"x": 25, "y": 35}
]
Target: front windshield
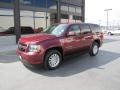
[{"x": 56, "y": 29}]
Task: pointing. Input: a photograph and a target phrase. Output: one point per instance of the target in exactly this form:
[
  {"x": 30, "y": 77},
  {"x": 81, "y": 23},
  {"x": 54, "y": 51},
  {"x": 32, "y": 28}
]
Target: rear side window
[
  {"x": 75, "y": 28},
  {"x": 85, "y": 28},
  {"x": 95, "y": 28}
]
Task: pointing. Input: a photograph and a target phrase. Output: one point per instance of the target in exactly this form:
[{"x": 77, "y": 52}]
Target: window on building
[
  {"x": 76, "y": 17},
  {"x": 64, "y": 16}
]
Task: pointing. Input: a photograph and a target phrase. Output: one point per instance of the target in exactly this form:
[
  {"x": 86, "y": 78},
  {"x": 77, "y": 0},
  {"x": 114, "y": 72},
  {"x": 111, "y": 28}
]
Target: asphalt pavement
[{"x": 78, "y": 72}]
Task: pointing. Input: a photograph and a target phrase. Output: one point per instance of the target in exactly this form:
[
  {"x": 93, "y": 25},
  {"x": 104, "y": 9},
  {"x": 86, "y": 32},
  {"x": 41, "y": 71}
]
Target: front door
[{"x": 72, "y": 43}]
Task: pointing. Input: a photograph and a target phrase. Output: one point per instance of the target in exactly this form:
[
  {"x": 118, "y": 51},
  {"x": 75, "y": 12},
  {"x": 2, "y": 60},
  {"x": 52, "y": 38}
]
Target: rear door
[
  {"x": 96, "y": 30},
  {"x": 86, "y": 35}
]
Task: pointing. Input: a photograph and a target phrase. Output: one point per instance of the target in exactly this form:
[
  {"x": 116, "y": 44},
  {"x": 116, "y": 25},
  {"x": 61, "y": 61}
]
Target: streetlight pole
[{"x": 107, "y": 10}]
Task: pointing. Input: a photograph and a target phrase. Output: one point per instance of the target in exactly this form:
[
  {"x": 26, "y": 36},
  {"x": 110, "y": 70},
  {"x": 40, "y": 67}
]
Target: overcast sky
[{"x": 95, "y": 11}]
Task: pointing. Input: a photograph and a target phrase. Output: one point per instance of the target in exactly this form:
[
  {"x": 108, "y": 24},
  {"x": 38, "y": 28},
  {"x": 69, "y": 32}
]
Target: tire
[
  {"x": 94, "y": 49},
  {"x": 52, "y": 60},
  {"x": 109, "y": 33}
]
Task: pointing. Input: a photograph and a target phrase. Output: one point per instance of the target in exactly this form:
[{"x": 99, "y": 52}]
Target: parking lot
[{"x": 78, "y": 72}]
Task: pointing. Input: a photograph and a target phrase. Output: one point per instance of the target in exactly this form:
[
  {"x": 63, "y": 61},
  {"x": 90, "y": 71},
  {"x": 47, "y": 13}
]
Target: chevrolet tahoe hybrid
[{"x": 49, "y": 48}]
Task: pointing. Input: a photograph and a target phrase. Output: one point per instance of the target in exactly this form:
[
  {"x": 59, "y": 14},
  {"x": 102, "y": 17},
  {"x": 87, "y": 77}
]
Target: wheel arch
[
  {"x": 97, "y": 41},
  {"x": 58, "y": 48}
]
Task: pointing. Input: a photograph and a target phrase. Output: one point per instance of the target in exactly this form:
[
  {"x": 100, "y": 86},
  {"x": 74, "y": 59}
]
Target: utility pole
[
  {"x": 107, "y": 11},
  {"x": 17, "y": 20}
]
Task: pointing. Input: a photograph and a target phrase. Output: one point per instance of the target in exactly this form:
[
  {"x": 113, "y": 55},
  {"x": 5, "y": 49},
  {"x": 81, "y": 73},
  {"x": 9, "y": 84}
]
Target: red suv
[{"x": 50, "y": 47}]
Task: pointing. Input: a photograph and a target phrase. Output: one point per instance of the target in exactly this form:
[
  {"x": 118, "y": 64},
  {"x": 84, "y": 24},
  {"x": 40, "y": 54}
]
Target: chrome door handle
[{"x": 87, "y": 37}]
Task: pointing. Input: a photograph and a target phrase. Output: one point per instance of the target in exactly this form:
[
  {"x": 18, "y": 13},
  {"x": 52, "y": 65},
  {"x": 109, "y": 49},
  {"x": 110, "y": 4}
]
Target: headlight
[{"x": 34, "y": 48}]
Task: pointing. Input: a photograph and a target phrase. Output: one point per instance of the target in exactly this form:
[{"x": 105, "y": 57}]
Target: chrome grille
[{"x": 22, "y": 47}]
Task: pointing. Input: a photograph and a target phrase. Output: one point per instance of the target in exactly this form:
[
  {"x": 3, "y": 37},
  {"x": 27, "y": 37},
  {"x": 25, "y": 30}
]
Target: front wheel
[
  {"x": 53, "y": 59},
  {"x": 109, "y": 33},
  {"x": 94, "y": 49}
]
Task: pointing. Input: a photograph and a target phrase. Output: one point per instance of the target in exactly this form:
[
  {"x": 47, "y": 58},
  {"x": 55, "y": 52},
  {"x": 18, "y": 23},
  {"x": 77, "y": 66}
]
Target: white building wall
[{"x": 7, "y": 19}]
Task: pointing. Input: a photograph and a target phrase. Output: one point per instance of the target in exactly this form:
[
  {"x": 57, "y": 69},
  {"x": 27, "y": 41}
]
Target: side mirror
[{"x": 71, "y": 33}]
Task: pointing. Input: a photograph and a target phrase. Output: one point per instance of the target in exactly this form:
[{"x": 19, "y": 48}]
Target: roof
[
  {"x": 75, "y": 23},
  {"x": 75, "y": 2}
]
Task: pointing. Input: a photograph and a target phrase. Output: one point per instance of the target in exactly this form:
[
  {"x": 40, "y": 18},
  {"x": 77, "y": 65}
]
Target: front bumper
[{"x": 31, "y": 57}]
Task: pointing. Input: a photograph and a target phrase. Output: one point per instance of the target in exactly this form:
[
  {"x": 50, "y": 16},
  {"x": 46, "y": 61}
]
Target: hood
[{"x": 36, "y": 38}]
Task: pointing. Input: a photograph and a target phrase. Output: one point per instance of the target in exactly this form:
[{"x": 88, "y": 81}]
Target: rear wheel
[
  {"x": 53, "y": 59},
  {"x": 109, "y": 33},
  {"x": 94, "y": 49}
]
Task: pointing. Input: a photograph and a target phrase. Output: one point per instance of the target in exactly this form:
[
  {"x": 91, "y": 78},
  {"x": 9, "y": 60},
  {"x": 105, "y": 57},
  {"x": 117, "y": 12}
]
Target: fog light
[{"x": 20, "y": 57}]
